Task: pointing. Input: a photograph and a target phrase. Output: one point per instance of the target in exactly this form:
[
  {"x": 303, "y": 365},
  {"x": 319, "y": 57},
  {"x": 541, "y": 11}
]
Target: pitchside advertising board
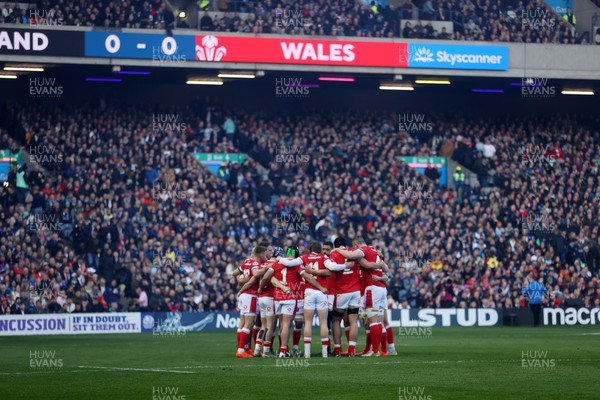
[
  {"x": 69, "y": 324},
  {"x": 167, "y": 323},
  {"x": 273, "y": 50},
  {"x": 571, "y": 316},
  {"x": 180, "y": 323}
]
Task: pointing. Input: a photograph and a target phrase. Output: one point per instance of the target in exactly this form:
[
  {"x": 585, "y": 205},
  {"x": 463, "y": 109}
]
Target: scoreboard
[
  {"x": 207, "y": 48},
  {"x": 279, "y": 50}
]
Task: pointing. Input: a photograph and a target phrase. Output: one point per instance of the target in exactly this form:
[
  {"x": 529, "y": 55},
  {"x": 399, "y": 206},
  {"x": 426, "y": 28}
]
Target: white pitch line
[
  {"x": 287, "y": 360},
  {"x": 517, "y": 362},
  {"x": 40, "y": 372},
  {"x": 134, "y": 369},
  {"x": 342, "y": 363}
]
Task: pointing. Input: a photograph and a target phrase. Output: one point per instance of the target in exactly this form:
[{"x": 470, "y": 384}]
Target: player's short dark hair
[
  {"x": 315, "y": 247},
  {"x": 328, "y": 243},
  {"x": 358, "y": 240},
  {"x": 339, "y": 242},
  {"x": 260, "y": 250}
]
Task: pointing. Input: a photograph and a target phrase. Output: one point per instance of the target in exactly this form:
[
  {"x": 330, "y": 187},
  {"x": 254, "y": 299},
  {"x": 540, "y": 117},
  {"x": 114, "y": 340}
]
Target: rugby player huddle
[{"x": 336, "y": 282}]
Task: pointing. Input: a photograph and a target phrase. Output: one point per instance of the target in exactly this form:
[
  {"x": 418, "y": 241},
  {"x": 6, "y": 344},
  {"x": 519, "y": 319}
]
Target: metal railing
[
  {"x": 595, "y": 22},
  {"x": 438, "y": 15}
]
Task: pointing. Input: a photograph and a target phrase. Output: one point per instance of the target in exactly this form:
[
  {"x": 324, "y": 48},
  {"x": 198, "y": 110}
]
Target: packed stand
[
  {"x": 110, "y": 207},
  {"x": 143, "y": 227},
  {"x": 148, "y": 14},
  {"x": 535, "y": 208},
  {"x": 528, "y": 21}
]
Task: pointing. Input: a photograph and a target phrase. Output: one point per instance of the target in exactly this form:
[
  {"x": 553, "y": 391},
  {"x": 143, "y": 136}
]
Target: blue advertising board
[
  {"x": 560, "y": 6},
  {"x": 6, "y": 160},
  {"x": 454, "y": 56},
  {"x": 181, "y": 322}
]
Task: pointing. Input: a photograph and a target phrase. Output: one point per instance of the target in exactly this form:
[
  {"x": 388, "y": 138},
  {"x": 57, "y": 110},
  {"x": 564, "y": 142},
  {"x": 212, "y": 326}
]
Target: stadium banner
[
  {"x": 419, "y": 164},
  {"x": 6, "y": 159},
  {"x": 423, "y": 162},
  {"x": 69, "y": 324},
  {"x": 39, "y": 324},
  {"x": 178, "y": 323},
  {"x": 430, "y": 317},
  {"x": 363, "y": 53},
  {"x": 181, "y": 322},
  {"x": 213, "y": 161},
  {"x": 571, "y": 316},
  {"x": 220, "y": 157},
  {"x": 162, "y": 323},
  {"x": 560, "y": 6},
  {"x": 350, "y": 53},
  {"x": 46, "y": 42},
  {"x": 457, "y": 56}
]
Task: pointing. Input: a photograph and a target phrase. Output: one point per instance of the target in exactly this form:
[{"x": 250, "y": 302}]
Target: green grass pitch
[{"x": 451, "y": 363}]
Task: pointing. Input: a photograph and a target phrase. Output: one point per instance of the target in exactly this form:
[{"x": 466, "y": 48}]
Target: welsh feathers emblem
[{"x": 207, "y": 49}]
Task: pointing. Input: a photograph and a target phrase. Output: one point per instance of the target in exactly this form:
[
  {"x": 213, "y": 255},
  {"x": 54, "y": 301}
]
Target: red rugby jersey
[
  {"x": 367, "y": 274},
  {"x": 247, "y": 268}
]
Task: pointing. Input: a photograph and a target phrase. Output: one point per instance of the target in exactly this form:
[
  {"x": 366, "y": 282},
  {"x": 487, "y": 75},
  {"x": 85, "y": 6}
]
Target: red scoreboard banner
[{"x": 301, "y": 51}]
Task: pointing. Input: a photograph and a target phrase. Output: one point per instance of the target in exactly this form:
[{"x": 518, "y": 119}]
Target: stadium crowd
[
  {"x": 123, "y": 218},
  {"x": 528, "y": 21},
  {"x": 147, "y": 14}
]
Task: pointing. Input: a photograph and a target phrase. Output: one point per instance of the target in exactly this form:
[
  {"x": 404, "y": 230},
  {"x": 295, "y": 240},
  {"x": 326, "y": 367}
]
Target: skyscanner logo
[
  {"x": 423, "y": 54},
  {"x": 458, "y": 57},
  {"x": 444, "y": 56}
]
